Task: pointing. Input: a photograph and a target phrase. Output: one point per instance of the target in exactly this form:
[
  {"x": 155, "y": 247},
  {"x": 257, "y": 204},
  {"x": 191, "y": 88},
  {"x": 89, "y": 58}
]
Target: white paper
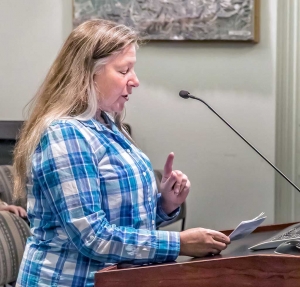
[{"x": 247, "y": 227}]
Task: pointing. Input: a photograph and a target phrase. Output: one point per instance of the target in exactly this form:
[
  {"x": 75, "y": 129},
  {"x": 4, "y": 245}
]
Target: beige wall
[
  {"x": 31, "y": 34},
  {"x": 230, "y": 182}
]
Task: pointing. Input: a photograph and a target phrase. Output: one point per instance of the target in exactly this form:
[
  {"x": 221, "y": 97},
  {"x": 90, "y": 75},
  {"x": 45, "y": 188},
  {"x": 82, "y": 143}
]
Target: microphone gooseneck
[{"x": 186, "y": 95}]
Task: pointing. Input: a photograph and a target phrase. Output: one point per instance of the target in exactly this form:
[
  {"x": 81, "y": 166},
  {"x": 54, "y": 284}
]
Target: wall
[
  {"x": 230, "y": 182},
  {"x": 31, "y": 35}
]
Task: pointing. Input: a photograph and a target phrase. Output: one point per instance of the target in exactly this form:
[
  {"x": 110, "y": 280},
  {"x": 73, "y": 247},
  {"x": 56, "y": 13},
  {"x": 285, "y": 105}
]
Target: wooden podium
[{"x": 234, "y": 267}]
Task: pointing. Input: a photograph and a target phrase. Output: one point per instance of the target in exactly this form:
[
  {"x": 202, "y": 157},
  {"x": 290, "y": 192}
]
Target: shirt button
[
  {"x": 92, "y": 237},
  {"x": 144, "y": 173},
  {"x": 128, "y": 150},
  {"x": 149, "y": 198},
  {"x": 153, "y": 222}
]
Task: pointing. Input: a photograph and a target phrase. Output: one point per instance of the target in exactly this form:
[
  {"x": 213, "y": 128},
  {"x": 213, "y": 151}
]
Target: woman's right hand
[{"x": 199, "y": 242}]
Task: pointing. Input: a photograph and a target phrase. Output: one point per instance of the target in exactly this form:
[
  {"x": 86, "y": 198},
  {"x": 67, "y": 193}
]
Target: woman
[{"x": 92, "y": 196}]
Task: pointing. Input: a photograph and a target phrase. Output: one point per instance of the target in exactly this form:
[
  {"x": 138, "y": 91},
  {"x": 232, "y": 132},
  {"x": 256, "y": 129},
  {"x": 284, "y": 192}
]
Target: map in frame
[{"x": 229, "y": 20}]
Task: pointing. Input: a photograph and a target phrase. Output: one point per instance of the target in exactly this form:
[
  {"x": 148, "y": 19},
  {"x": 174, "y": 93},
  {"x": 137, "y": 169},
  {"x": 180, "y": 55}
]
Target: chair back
[
  {"x": 6, "y": 184},
  {"x": 6, "y": 187}
]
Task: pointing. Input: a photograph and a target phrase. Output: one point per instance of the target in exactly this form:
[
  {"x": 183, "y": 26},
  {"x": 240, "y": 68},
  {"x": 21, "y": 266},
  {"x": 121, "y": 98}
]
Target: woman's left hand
[
  {"x": 174, "y": 186},
  {"x": 17, "y": 210}
]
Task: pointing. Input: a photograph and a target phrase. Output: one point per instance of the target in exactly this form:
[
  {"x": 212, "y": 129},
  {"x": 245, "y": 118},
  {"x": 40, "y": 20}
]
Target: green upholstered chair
[
  {"x": 6, "y": 187},
  {"x": 13, "y": 234},
  {"x": 6, "y": 183},
  {"x": 13, "y": 231}
]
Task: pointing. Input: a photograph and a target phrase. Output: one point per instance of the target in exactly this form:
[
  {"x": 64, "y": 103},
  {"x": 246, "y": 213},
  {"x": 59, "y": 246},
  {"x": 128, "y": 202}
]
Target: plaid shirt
[{"x": 92, "y": 202}]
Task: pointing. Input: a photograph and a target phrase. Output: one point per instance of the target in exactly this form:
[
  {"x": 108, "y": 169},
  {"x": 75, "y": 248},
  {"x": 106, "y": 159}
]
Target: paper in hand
[{"x": 247, "y": 227}]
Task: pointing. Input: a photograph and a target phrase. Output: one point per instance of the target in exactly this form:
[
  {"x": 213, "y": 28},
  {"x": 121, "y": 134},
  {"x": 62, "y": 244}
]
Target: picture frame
[{"x": 178, "y": 20}]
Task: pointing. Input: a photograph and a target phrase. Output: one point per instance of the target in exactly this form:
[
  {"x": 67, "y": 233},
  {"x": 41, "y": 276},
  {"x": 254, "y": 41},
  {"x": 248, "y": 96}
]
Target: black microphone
[{"x": 186, "y": 95}]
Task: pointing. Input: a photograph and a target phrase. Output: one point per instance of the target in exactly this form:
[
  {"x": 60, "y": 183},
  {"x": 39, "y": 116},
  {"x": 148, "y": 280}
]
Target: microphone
[{"x": 186, "y": 95}]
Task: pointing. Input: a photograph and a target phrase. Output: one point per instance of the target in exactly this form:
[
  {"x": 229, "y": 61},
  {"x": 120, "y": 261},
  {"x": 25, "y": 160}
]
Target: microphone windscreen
[{"x": 184, "y": 94}]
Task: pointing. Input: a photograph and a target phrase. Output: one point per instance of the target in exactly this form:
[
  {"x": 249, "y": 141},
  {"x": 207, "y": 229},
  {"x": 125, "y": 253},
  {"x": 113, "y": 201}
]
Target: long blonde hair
[{"x": 68, "y": 89}]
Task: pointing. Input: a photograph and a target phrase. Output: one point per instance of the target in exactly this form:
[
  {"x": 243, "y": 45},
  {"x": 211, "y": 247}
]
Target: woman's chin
[{"x": 117, "y": 109}]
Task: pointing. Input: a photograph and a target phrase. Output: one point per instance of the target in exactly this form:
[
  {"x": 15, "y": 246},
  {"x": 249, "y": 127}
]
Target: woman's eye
[{"x": 125, "y": 72}]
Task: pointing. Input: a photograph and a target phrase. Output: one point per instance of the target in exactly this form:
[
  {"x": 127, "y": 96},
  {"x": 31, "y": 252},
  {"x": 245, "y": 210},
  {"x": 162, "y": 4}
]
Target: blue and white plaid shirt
[{"x": 92, "y": 202}]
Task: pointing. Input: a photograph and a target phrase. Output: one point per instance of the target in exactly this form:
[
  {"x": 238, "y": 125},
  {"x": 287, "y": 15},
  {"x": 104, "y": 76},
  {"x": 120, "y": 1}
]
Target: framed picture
[{"x": 179, "y": 20}]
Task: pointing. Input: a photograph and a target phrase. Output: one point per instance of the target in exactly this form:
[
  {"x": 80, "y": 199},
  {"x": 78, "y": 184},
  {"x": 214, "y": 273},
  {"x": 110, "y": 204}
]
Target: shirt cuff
[
  {"x": 161, "y": 215},
  {"x": 168, "y": 246}
]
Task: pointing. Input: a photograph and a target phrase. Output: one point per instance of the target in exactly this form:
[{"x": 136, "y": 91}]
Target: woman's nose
[{"x": 134, "y": 81}]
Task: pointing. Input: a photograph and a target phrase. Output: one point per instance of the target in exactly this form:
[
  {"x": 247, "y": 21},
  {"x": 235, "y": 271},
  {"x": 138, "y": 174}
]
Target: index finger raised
[{"x": 168, "y": 168}]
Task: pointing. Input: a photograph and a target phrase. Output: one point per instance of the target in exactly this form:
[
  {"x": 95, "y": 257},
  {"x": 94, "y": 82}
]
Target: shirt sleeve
[
  {"x": 161, "y": 216},
  {"x": 67, "y": 172}
]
